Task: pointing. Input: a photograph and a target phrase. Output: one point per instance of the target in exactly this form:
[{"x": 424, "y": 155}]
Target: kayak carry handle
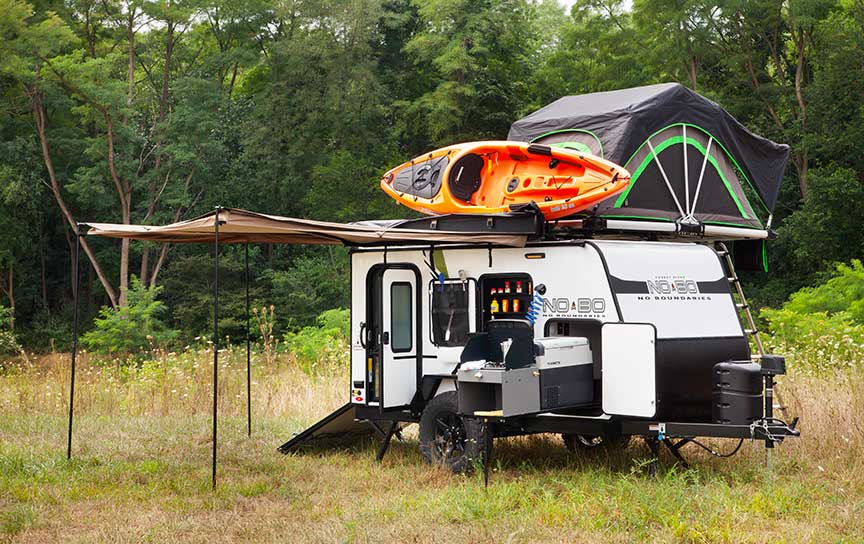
[{"x": 538, "y": 149}]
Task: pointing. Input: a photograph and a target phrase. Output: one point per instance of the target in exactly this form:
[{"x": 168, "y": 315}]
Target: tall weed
[{"x": 326, "y": 344}]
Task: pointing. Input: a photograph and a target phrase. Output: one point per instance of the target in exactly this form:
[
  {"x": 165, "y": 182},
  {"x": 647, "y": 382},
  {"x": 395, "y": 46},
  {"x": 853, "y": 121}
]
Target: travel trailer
[
  {"x": 595, "y": 337},
  {"x": 621, "y": 320}
]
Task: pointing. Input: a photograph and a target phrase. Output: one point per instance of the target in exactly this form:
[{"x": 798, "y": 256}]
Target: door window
[
  {"x": 401, "y": 317},
  {"x": 450, "y": 323}
]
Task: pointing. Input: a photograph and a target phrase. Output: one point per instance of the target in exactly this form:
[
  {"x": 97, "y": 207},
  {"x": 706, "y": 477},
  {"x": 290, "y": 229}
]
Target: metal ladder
[{"x": 744, "y": 307}]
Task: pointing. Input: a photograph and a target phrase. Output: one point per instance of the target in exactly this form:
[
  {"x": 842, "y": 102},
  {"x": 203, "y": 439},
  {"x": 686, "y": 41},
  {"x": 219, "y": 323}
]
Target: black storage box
[
  {"x": 567, "y": 386},
  {"x": 737, "y": 393}
]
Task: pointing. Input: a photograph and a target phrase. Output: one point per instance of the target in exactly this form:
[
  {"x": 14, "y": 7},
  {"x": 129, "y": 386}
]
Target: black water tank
[{"x": 737, "y": 393}]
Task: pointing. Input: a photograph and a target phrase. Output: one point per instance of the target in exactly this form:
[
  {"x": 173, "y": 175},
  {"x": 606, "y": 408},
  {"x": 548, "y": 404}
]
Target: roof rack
[
  {"x": 530, "y": 222},
  {"x": 603, "y": 227}
]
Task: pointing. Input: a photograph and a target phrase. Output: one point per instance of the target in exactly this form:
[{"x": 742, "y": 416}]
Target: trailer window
[
  {"x": 450, "y": 323},
  {"x": 401, "y": 317}
]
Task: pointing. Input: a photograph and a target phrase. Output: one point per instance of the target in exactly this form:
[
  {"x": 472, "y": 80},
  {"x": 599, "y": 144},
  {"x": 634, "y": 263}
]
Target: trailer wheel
[
  {"x": 448, "y": 439},
  {"x": 583, "y": 442}
]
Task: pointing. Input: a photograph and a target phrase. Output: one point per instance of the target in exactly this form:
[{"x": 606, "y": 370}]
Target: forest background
[{"x": 157, "y": 111}]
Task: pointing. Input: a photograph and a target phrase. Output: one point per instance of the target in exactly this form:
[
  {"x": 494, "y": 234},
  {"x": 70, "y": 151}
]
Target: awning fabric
[{"x": 238, "y": 226}]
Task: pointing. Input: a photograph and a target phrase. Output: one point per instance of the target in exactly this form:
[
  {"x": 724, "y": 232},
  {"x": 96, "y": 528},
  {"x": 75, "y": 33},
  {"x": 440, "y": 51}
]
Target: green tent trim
[
  {"x": 723, "y": 147},
  {"x": 659, "y": 149},
  {"x": 582, "y": 130},
  {"x": 578, "y": 146}
]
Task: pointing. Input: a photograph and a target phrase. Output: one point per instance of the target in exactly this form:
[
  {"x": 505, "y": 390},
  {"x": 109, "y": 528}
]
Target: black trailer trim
[{"x": 608, "y": 278}]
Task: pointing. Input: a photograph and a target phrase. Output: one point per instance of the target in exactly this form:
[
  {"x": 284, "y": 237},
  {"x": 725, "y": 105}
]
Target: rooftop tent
[{"x": 690, "y": 160}]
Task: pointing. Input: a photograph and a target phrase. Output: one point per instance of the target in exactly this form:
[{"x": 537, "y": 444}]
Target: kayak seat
[{"x": 466, "y": 176}]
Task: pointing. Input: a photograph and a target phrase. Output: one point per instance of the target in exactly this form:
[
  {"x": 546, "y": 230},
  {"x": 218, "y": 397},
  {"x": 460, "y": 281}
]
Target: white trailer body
[
  {"x": 679, "y": 288},
  {"x": 643, "y": 337}
]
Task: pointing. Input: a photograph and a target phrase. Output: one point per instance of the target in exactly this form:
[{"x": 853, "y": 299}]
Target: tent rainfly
[
  {"x": 228, "y": 225},
  {"x": 691, "y": 162}
]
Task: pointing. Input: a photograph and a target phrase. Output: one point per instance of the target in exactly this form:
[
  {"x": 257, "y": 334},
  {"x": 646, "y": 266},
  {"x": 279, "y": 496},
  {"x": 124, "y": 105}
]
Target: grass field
[{"x": 140, "y": 470}]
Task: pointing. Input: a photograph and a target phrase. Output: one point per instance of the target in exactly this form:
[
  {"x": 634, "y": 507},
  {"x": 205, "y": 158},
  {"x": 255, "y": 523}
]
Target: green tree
[
  {"x": 829, "y": 226},
  {"x": 482, "y": 53},
  {"x": 133, "y": 328},
  {"x": 597, "y": 50}
]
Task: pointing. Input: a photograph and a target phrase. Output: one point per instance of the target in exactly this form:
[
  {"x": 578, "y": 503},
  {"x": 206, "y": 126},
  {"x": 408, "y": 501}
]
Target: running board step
[{"x": 337, "y": 428}]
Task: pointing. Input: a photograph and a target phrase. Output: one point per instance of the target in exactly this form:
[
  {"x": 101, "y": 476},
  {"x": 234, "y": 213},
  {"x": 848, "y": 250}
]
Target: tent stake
[
  {"x": 215, "y": 334},
  {"x": 248, "y": 354},
  {"x": 75, "y": 300}
]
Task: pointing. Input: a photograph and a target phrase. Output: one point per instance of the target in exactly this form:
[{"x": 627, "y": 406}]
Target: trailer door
[{"x": 400, "y": 339}]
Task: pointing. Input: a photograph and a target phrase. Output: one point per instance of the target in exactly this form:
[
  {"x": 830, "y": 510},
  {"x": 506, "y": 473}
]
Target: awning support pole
[
  {"x": 75, "y": 300},
  {"x": 215, "y": 335},
  {"x": 248, "y": 353}
]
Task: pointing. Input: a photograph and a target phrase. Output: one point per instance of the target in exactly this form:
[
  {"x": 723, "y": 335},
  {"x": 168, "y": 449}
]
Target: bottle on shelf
[
  {"x": 506, "y": 286},
  {"x": 515, "y": 304},
  {"x": 518, "y": 286},
  {"x": 493, "y": 308},
  {"x": 505, "y": 305}
]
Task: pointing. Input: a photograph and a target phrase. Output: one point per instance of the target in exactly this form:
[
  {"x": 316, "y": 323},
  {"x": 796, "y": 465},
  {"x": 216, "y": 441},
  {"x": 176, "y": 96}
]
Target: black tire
[
  {"x": 581, "y": 442},
  {"x": 446, "y": 438}
]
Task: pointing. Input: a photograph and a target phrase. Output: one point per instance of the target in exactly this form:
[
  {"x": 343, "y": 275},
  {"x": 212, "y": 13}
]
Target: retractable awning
[
  {"x": 229, "y": 225},
  {"x": 239, "y": 226}
]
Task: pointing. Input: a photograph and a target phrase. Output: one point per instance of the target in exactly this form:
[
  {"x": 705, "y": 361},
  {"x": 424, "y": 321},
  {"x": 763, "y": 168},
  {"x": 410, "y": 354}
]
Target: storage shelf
[{"x": 508, "y": 314}]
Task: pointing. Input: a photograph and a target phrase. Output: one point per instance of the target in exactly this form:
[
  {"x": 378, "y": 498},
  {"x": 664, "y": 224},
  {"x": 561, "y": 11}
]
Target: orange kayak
[{"x": 489, "y": 177}]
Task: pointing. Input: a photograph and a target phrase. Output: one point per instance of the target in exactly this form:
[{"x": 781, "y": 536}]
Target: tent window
[
  {"x": 401, "y": 317},
  {"x": 450, "y": 324}
]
